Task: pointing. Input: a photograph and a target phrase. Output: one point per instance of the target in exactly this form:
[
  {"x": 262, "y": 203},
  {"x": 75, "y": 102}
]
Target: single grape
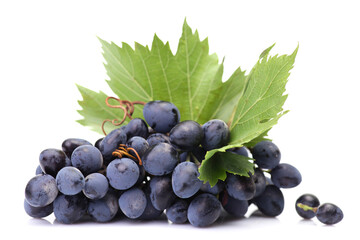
[
  {"x": 160, "y": 159},
  {"x": 104, "y": 209},
  {"x": 122, "y": 173},
  {"x": 234, "y": 207},
  {"x": 139, "y": 144},
  {"x": 240, "y": 151},
  {"x": 137, "y": 127},
  {"x": 41, "y": 190},
  {"x": 329, "y": 214},
  {"x": 185, "y": 181},
  {"x": 216, "y": 189},
  {"x": 38, "y": 212},
  {"x": 260, "y": 181},
  {"x": 111, "y": 142},
  {"x": 70, "y": 144},
  {"x": 285, "y": 176},
  {"x": 96, "y": 186},
  {"x": 204, "y": 210},
  {"x": 161, "y": 116},
  {"x": 240, "y": 187},
  {"x": 133, "y": 202},
  {"x": 216, "y": 134},
  {"x": 39, "y": 170},
  {"x": 161, "y": 193},
  {"x": 97, "y": 143},
  {"x": 177, "y": 212},
  {"x": 150, "y": 212},
  {"x": 306, "y": 205},
  {"x": 52, "y": 160},
  {"x": 271, "y": 201},
  {"x": 266, "y": 154},
  {"x": 70, "y": 209},
  {"x": 156, "y": 138},
  {"x": 70, "y": 181},
  {"x": 87, "y": 159},
  {"x": 186, "y": 135}
]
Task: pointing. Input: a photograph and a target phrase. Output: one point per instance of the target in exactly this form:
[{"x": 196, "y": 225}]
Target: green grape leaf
[
  {"x": 187, "y": 79},
  {"x": 216, "y": 167},
  {"x": 258, "y": 108}
]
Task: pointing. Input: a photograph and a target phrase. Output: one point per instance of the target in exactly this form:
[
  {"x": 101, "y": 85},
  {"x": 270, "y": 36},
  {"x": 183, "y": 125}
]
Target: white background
[{"x": 47, "y": 46}]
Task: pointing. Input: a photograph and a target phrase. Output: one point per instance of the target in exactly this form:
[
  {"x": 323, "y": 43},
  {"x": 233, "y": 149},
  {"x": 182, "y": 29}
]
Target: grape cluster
[{"x": 150, "y": 167}]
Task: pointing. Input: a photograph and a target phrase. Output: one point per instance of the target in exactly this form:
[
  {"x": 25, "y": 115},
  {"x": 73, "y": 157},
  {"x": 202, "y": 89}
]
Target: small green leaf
[{"x": 221, "y": 162}]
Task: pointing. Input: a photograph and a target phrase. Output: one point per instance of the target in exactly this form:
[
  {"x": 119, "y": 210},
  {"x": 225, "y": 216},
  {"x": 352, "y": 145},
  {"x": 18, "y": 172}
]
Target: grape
[
  {"x": 285, "y": 176},
  {"x": 96, "y": 186},
  {"x": 306, "y": 205},
  {"x": 260, "y": 181},
  {"x": 104, "y": 209},
  {"x": 70, "y": 209},
  {"x": 70, "y": 144},
  {"x": 52, "y": 160},
  {"x": 177, "y": 212},
  {"x": 38, "y": 170},
  {"x": 161, "y": 116},
  {"x": 234, "y": 207},
  {"x": 38, "y": 212},
  {"x": 70, "y": 181},
  {"x": 199, "y": 153},
  {"x": 271, "y": 201},
  {"x": 111, "y": 142},
  {"x": 136, "y": 127},
  {"x": 266, "y": 154},
  {"x": 185, "y": 181},
  {"x": 240, "y": 151},
  {"x": 216, "y": 189},
  {"x": 150, "y": 212},
  {"x": 139, "y": 144},
  {"x": 122, "y": 173},
  {"x": 161, "y": 193},
  {"x": 41, "y": 190},
  {"x": 183, "y": 156},
  {"x": 87, "y": 159},
  {"x": 97, "y": 143},
  {"x": 160, "y": 159},
  {"x": 204, "y": 210},
  {"x": 240, "y": 187},
  {"x": 186, "y": 135},
  {"x": 133, "y": 202},
  {"x": 216, "y": 134},
  {"x": 156, "y": 138},
  {"x": 329, "y": 214}
]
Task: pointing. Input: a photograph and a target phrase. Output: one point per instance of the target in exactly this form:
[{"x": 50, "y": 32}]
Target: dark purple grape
[
  {"x": 204, "y": 210},
  {"x": 70, "y": 209},
  {"x": 234, "y": 207},
  {"x": 157, "y": 138},
  {"x": 104, "y": 209},
  {"x": 186, "y": 135},
  {"x": 177, "y": 212},
  {"x": 260, "y": 181},
  {"x": 271, "y": 201},
  {"x": 161, "y": 193},
  {"x": 185, "y": 180},
  {"x": 160, "y": 159},
  {"x": 240, "y": 151},
  {"x": 139, "y": 144},
  {"x": 137, "y": 127},
  {"x": 69, "y": 145},
  {"x": 161, "y": 116},
  {"x": 240, "y": 187},
  {"x": 52, "y": 160},
  {"x": 306, "y": 205},
  {"x": 266, "y": 154},
  {"x": 87, "y": 159},
  {"x": 285, "y": 176},
  {"x": 111, "y": 142},
  {"x": 329, "y": 214},
  {"x": 41, "y": 190},
  {"x": 216, "y": 134},
  {"x": 38, "y": 212}
]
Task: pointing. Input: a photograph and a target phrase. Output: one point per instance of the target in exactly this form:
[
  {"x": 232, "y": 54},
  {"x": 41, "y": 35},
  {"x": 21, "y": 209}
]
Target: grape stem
[
  {"x": 306, "y": 207},
  {"x": 123, "y": 150}
]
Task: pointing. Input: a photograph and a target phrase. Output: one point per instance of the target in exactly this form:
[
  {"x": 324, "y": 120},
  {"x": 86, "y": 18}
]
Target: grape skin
[
  {"x": 41, "y": 190},
  {"x": 70, "y": 181},
  {"x": 70, "y": 209},
  {"x": 186, "y": 135},
  {"x": 308, "y": 200},
  {"x": 266, "y": 154},
  {"x": 240, "y": 187},
  {"x": 133, "y": 203},
  {"x": 122, "y": 173},
  {"x": 285, "y": 176},
  {"x": 70, "y": 144},
  {"x": 104, "y": 209},
  {"x": 216, "y": 134},
  {"x": 204, "y": 210},
  {"x": 160, "y": 159},
  {"x": 38, "y": 212},
  {"x": 52, "y": 160},
  {"x": 177, "y": 212},
  {"x": 185, "y": 181},
  {"x": 87, "y": 159},
  {"x": 96, "y": 186},
  {"x": 271, "y": 201},
  {"x": 329, "y": 214}
]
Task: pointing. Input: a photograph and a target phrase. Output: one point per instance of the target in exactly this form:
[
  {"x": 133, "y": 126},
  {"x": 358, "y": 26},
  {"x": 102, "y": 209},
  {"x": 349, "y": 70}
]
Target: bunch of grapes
[{"x": 150, "y": 167}]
